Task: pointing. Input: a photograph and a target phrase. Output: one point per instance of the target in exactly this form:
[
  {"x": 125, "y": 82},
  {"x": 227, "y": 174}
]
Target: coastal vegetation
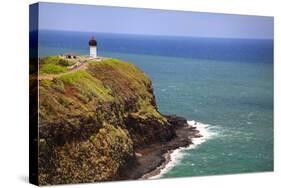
[
  {"x": 54, "y": 65},
  {"x": 92, "y": 121}
]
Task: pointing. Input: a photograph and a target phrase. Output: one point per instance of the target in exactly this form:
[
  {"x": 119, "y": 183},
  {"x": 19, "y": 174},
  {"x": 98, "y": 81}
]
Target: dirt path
[{"x": 82, "y": 66}]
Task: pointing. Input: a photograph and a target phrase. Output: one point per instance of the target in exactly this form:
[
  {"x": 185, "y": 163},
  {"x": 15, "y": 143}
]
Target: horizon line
[{"x": 153, "y": 35}]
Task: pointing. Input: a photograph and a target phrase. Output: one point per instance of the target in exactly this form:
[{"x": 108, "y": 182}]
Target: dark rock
[{"x": 176, "y": 121}]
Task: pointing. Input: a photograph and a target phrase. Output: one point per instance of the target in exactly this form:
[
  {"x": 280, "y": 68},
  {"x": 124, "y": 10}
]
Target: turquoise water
[
  {"x": 226, "y": 84},
  {"x": 235, "y": 99}
]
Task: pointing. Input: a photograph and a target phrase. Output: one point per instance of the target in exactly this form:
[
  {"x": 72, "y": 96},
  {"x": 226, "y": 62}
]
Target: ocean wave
[{"x": 176, "y": 156}]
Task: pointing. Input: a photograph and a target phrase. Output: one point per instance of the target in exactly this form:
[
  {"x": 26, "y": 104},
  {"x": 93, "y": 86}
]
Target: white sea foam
[{"x": 207, "y": 133}]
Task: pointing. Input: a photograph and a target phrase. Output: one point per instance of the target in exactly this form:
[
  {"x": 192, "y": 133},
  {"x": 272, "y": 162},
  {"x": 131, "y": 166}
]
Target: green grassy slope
[{"x": 91, "y": 120}]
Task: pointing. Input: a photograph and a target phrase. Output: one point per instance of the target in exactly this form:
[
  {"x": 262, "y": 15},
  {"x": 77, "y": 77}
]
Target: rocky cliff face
[{"x": 92, "y": 120}]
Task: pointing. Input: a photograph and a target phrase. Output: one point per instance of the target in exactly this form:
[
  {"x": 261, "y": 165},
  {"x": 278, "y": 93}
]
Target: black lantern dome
[{"x": 93, "y": 42}]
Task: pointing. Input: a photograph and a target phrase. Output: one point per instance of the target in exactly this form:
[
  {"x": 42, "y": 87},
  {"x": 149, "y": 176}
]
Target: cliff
[{"x": 93, "y": 117}]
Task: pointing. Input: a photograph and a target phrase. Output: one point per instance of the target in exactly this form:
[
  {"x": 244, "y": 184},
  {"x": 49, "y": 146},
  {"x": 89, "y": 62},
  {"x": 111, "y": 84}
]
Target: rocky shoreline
[{"x": 149, "y": 161}]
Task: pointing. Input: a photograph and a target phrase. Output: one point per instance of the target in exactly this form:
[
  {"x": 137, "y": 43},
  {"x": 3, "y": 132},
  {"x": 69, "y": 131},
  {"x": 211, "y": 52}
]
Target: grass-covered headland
[{"x": 93, "y": 117}]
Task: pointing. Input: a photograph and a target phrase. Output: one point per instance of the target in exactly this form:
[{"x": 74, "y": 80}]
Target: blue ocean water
[{"x": 226, "y": 84}]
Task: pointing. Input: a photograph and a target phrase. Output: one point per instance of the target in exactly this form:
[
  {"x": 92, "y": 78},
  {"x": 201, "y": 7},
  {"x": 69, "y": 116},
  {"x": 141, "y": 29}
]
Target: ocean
[{"x": 223, "y": 86}]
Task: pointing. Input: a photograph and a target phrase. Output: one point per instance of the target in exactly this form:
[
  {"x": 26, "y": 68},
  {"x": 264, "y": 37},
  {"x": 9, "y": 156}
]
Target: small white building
[{"x": 93, "y": 47}]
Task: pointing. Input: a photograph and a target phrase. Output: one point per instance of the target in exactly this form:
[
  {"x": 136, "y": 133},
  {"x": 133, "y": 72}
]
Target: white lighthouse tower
[{"x": 93, "y": 47}]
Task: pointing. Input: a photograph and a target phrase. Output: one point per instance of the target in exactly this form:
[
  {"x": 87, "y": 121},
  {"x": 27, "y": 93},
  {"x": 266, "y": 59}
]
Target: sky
[{"x": 89, "y": 18}]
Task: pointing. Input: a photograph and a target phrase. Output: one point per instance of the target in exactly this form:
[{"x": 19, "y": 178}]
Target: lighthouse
[{"x": 93, "y": 47}]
